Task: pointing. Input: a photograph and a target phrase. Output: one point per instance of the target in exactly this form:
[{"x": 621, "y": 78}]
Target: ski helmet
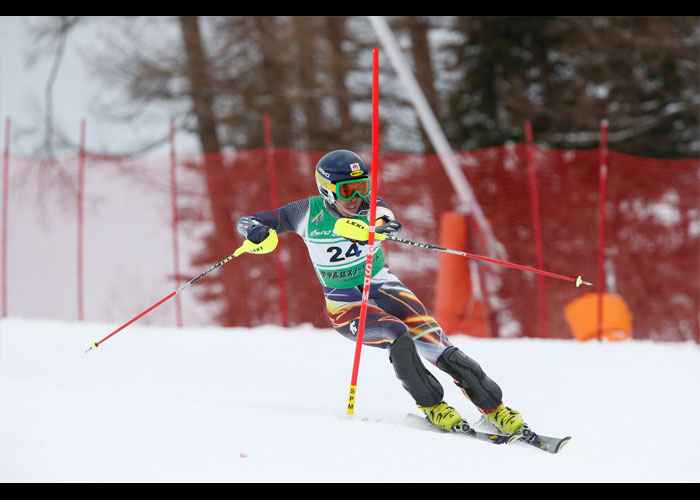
[{"x": 342, "y": 174}]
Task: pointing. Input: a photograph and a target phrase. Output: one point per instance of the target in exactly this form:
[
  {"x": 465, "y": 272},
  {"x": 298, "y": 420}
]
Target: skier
[{"x": 396, "y": 319}]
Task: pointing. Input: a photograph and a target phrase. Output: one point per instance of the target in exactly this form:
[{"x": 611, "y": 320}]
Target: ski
[
  {"x": 545, "y": 443},
  {"x": 528, "y": 436},
  {"x": 464, "y": 429}
]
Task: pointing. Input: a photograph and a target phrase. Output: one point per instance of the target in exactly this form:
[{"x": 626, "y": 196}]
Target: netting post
[
  {"x": 5, "y": 193},
  {"x": 81, "y": 187},
  {"x": 535, "y": 201},
  {"x": 602, "y": 186},
  {"x": 176, "y": 246},
  {"x": 270, "y": 163}
]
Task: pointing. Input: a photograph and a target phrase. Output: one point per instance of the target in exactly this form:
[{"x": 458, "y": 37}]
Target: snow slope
[{"x": 268, "y": 405}]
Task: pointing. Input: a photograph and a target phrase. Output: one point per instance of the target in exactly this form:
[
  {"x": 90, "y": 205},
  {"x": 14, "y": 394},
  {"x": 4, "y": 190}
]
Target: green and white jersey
[{"x": 339, "y": 263}]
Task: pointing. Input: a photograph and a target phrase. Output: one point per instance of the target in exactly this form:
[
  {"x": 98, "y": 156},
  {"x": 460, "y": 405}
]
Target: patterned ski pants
[{"x": 392, "y": 310}]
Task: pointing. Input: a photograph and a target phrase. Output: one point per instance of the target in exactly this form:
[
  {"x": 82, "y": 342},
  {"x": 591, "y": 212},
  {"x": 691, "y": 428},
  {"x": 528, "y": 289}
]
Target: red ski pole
[
  {"x": 578, "y": 281},
  {"x": 247, "y": 246},
  {"x": 357, "y": 230}
]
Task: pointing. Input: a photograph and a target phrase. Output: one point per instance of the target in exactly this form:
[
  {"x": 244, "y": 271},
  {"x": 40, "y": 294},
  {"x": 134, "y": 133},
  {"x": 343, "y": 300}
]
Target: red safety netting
[{"x": 121, "y": 253}]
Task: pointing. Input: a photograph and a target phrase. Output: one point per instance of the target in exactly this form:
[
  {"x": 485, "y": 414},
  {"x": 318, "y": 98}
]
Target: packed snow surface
[{"x": 268, "y": 404}]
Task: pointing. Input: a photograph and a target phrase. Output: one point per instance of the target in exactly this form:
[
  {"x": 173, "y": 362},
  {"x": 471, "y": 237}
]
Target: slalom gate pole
[
  {"x": 246, "y": 247},
  {"x": 370, "y": 241}
]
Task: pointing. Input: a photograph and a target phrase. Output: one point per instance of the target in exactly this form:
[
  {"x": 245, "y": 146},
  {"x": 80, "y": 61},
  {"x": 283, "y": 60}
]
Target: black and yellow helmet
[{"x": 342, "y": 174}]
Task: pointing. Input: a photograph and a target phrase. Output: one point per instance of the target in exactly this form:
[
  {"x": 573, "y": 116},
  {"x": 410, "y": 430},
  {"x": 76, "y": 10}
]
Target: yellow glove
[{"x": 266, "y": 246}]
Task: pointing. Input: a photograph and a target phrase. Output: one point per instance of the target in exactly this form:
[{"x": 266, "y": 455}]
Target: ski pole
[
  {"x": 357, "y": 230},
  {"x": 247, "y": 246},
  {"x": 578, "y": 281}
]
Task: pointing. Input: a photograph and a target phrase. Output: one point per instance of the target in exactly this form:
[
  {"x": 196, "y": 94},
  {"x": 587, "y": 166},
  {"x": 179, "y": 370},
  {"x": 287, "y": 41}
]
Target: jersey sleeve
[{"x": 287, "y": 218}]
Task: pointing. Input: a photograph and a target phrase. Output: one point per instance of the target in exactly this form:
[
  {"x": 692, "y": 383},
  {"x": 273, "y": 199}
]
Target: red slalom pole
[
  {"x": 173, "y": 204},
  {"x": 370, "y": 240},
  {"x": 5, "y": 194},
  {"x": 270, "y": 163},
  {"x": 535, "y": 201},
  {"x": 602, "y": 183},
  {"x": 81, "y": 222}
]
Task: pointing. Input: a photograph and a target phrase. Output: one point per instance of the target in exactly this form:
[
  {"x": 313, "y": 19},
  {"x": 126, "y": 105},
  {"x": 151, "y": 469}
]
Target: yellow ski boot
[
  {"x": 442, "y": 415},
  {"x": 507, "y": 420}
]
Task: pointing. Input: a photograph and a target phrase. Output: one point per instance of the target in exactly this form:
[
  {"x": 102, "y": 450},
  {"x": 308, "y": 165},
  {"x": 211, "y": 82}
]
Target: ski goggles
[{"x": 347, "y": 190}]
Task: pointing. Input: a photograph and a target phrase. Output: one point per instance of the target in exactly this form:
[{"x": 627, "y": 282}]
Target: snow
[{"x": 268, "y": 404}]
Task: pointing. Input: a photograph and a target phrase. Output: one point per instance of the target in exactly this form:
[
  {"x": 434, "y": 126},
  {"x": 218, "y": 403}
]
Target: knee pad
[
  {"x": 422, "y": 385},
  {"x": 469, "y": 376}
]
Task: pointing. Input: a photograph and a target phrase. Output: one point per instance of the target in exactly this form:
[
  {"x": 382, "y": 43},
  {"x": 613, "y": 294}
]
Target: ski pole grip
[
  {"x": 266, "y": 246},
  {"x": 354, "y": 229}
]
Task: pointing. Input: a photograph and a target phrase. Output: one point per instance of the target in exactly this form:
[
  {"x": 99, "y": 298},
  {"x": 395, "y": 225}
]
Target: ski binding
[
  {"x": 545, "y": 443},
  {"x": 463, "y": 428}
]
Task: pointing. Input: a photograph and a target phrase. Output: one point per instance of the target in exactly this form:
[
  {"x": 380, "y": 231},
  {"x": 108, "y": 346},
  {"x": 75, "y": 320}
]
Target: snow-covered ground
[{"x": 269, "y": 405}]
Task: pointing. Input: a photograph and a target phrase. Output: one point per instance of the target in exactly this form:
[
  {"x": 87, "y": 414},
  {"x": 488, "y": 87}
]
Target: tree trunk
[
  {"x": 304, "y": 30},
  {"x": 338, "y": 69},
  {"x": 221, "y": 242},
  {"x": 418, "y": 27}
]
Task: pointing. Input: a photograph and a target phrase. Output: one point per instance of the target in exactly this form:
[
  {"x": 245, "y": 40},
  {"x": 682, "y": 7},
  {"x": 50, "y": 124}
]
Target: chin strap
[{"x": 346, "y": 213}]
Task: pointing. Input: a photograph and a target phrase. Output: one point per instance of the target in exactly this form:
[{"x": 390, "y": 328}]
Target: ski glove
[
  {"x": 385, "y": 227},
  {"x": 258, "y": 233},
  {"x": 252, "y": 229},
  {"x": 389, "y": 228},
  {"x": 245, "y": 224}
]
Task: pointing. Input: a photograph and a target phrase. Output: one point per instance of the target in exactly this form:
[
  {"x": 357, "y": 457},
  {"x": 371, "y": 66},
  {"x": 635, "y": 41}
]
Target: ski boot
[
  {"x": 442, "y": 415},
  {"x": 506, "y": 420}
]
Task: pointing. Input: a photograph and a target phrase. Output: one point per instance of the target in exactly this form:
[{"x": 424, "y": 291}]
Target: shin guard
[
  {"x": 469, "y": 376},
  {"x": 422, "y": 385}
]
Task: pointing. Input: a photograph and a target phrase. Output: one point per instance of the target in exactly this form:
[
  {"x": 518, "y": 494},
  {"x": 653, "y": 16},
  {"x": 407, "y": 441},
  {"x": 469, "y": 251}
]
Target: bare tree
[
  {"x": 50, "y": 37},
  {"x": 337, "y": 66}
]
